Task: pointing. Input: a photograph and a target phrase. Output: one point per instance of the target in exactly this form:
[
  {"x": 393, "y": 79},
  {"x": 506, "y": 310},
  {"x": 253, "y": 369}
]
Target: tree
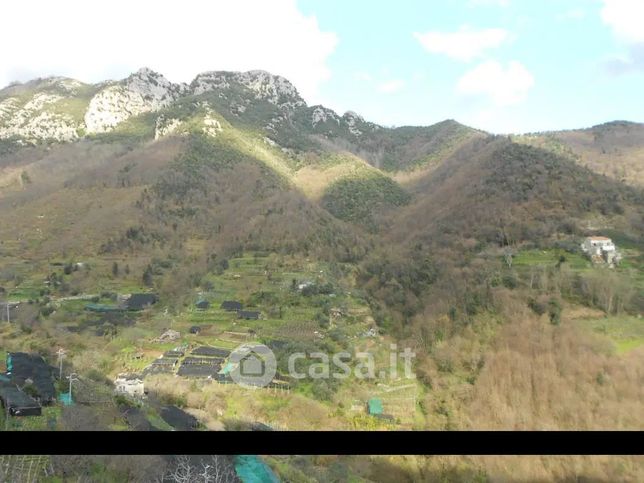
[
  {"x": 561, "y": 261},
  {"x": 147, "y": 276},
  {"x": 115, "y": 269},
  {"x": 80, "y": 418},
  {"x": 554, "y": 311},
  {"x": 212, "y": 469},
  {"x": 71, "y": 465},
  {"x": 135, "y": 467},
  {"x": 508, "y": 253}
]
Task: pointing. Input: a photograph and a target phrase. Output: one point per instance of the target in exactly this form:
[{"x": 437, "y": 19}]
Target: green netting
[
  {"x": 251, "y": 469},
  {"x": 102, "y": 308},
  {"x": 65, "y": 398},
  {"x": 202, "y": 303},
  {"x": 227, "y": 368},
  {"x": 375, "y": 406}
]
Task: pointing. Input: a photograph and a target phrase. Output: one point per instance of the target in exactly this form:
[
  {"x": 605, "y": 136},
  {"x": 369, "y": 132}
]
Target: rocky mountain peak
[
  {"x": 143, "y": 91},
  {"x": 266, "y": 86}
]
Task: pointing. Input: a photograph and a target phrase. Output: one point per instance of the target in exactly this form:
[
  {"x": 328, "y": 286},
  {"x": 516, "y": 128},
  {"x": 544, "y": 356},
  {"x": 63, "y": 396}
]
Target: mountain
[
  {"x": 244, "y": 115},
  {"x": 64, "y": 109},
  {"x": 508, "y": 193},
  {"x": 345, "y": 235},
  {"x": 238, "y": 160}
]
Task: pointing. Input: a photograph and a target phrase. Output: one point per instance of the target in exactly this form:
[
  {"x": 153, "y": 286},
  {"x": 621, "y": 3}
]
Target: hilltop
[{"x": 615, "y": 149}]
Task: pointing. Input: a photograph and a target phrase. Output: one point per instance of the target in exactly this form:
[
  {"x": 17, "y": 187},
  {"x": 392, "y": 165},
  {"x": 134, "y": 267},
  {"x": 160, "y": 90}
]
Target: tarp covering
[
  {"x": 23, "y": 367},
  {"x": 157, "y": 369},
  {"x": 209, "y": 351},
  {"x": 136, "y": 419},
  {"x": 173, "y": 354},
  {"x": 202, "y": 304},
  {"x": 198, "y": 370},
  {"x": 204, "y": 361},
  {"x": 231, "y": 305},
  {"x": 178, "y": 419},
  {"x": 18, "y": 403},
  {"x": 139, "y": 301}
]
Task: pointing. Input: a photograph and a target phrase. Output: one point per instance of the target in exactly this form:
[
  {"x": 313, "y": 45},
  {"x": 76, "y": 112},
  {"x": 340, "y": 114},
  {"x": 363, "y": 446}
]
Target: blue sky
[
  {"x": 382, "y": 71},
  {"x": 498, "y": 65}
]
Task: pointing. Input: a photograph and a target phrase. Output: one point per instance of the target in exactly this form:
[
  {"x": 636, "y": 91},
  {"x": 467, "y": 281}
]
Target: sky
[{"x": 505, "y": 66}]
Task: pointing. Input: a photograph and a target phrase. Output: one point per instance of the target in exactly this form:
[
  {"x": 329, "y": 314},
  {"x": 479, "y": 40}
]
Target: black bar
[{"x": 326, "y": 442}]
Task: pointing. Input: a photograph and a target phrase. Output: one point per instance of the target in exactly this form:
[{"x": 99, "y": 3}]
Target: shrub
[
  {"x": 46, "y": 311},
  {"x": 147, "y": 276},
  {"x": 537, "y": 307},
  {"x": 510, "y": 281},
  {"x": 554, "y": 311}
]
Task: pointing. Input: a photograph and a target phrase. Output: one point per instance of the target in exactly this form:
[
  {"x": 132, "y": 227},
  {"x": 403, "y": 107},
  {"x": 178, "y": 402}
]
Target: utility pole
[
  {"x": 72, "y": 377},
  {"x": 61, "y": 356}
]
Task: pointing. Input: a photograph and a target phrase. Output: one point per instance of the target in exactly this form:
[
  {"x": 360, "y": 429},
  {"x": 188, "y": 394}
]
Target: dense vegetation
[{"x": 361, "y": 199}]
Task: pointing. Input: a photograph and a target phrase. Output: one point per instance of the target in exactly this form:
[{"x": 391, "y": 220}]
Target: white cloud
[
  {"x": 625, "y": 19},
  {"x": 363, "y": 76},
  {"x": 503, "y": 85},
  {"x": 628, "y": 63},
  {"x": 572, "y": 14},
  {"x": 391, "y": 86},
  {"x": 92, "y": 41},
  {"x": 496, "y": 3},
  {"x": 507, "y": 120},
  {"x": 464, "y": 44}
]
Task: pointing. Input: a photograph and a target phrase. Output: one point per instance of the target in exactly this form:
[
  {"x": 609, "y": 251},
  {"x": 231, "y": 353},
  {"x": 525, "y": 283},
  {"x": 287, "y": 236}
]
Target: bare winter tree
[
  {"x": 68, "y": 466},
  {"x": 211, "y": 469},
  {"x": 135, "y": 468},
  {"x": 508, "y": 253}
]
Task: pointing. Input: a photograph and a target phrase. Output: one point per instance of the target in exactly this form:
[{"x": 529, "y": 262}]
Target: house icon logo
[{"x": 253, "y": 365}]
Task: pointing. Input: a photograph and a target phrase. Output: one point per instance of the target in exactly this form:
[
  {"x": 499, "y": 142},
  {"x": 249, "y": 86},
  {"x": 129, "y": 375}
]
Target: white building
[
  {"x": 600, "y": 249},
  {"x": 129, "y": 385},
  {"x": 595, "y": 245},
  {"x": 304, "y": 285}
]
